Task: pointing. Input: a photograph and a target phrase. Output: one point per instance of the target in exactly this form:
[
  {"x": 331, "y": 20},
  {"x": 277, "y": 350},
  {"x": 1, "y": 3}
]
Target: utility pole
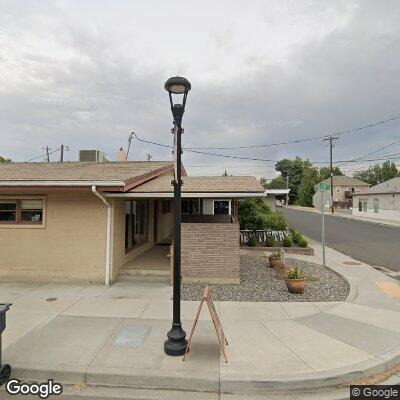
[
  {"x": 331, "y": 139},
  {"x": 287, "y": 187},
  {"x": 47, "y": 148},
  {"x": 63, "y": 148},
  {"x": 129, "y": 144}
]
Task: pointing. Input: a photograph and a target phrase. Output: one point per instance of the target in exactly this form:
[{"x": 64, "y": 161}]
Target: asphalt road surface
[{"x": 371, "y": 243}]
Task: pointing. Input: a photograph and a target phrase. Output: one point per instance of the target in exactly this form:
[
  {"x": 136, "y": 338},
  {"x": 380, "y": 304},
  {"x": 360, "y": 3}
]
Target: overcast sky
[{"x": 87, "y": 73}]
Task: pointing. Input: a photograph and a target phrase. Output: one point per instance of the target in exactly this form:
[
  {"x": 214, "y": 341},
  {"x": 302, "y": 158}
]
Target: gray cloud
[{"x": 268, "y": 74}]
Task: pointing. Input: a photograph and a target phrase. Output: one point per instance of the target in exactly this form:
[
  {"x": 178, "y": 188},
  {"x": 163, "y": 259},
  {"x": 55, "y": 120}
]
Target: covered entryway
[{"x": 150, "y": 266}]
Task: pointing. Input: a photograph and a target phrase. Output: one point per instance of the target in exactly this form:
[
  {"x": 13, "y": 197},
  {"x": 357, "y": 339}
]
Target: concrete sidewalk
[{"x": 90, "y": 335}]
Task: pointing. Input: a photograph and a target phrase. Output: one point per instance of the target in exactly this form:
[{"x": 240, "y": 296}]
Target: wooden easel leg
[{"x": 193, "y": 328}]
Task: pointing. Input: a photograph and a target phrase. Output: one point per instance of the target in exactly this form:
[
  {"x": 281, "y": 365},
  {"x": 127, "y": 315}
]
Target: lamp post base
[{"x": 176, "y": 343}]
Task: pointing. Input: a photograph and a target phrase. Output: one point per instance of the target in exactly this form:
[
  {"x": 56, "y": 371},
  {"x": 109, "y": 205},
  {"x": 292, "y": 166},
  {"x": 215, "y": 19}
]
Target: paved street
[{"x": 371, "y": 243}]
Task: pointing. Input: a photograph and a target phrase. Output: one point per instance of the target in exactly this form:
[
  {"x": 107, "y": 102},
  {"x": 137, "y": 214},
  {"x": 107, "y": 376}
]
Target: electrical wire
[
  {"x": 300, "y": 140},
  {"x": 43, "y": 155}
]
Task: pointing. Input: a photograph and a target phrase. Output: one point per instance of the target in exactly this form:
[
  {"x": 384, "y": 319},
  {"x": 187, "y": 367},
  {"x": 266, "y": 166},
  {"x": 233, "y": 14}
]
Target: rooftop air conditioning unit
[{"x": 92, "y": 155}]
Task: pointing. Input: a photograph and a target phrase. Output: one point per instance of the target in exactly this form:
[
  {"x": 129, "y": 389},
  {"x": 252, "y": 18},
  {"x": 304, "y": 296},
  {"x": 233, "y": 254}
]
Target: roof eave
[{"x": 187, "y": 194}]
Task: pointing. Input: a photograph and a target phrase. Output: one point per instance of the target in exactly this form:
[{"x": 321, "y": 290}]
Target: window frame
[
  {"x": 193, "y": 201},
  {"x": 230, "y": 206},
  {"x": 18, "y": 224}
]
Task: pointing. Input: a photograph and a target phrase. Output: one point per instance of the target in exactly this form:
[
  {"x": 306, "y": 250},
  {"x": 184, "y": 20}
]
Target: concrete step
[
  {"x": 122, "y": 277},
  {"x": 144, "y": 271}
]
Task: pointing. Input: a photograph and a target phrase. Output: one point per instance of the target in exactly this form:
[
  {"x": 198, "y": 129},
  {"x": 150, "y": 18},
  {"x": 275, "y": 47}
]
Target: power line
[
  {"x": 378, "y": 150},
  {"x": 299, "y": 140},
  {"x": 43, "y": 155},
  {"x": 242, "y": 158}
]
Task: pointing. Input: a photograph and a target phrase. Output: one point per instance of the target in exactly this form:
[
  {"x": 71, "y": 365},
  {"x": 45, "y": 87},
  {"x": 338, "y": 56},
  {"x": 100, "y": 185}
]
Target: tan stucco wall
[{"x": 71, "y": 246}]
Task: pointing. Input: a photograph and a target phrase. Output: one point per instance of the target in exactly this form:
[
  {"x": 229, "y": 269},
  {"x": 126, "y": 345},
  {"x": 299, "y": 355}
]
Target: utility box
[{"x": 92, "y": 156}]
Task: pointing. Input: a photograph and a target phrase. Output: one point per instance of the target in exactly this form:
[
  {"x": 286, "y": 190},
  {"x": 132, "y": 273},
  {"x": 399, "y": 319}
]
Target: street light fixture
[{"x": 179, "y": 87}]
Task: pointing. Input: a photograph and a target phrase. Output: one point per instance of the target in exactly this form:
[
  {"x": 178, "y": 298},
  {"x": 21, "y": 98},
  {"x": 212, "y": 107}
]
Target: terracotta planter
[
  {"x": 280, "y": 272},
  {"x": 275, "y": 262},
  {"x": 296, "y": 286}
]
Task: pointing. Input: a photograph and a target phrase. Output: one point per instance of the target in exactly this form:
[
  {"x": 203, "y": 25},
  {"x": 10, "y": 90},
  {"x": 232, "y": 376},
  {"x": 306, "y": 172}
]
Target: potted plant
[
  {"x": 275, "y": 260},
  {"x": 295, "y": 281}
]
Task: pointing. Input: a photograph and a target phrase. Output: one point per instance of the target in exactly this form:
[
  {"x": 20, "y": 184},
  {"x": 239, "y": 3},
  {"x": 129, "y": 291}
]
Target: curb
[{"x": 209, "y": 382}]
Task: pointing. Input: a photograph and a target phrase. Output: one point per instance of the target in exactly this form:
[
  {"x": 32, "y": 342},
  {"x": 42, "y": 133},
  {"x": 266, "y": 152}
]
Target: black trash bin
[{"x": 5, "y": 369}]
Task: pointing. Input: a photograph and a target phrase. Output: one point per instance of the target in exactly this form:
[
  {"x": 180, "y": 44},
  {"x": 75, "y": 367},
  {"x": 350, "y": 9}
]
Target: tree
[
  {"x": 277, "y": 183},
  {"x": 378, "y": 173},
  {"x": 325, "y": 172},
  {"x": 294, "y": 169},
  {"x": 306, "y": 190},
  {"x": 4, "y": 160}
]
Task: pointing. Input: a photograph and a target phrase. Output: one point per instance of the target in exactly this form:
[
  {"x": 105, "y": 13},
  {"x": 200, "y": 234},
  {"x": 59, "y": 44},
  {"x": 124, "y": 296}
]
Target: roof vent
[{"x": 92, "y": 155}]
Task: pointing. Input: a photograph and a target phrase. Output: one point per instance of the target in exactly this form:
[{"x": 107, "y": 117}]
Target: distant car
[{"x": 278, "y": 203}]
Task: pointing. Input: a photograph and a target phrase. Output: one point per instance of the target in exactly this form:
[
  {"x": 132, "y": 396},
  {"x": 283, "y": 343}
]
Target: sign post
[{"x": 323, "y": 188}]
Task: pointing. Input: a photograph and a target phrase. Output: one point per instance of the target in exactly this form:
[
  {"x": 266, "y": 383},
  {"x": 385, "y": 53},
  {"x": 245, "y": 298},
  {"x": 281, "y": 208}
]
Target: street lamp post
[{"x": 176, "y": 343}]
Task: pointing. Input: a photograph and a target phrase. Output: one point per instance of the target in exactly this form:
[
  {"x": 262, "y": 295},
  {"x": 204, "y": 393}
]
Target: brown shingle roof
[
  {"x": 343, "y": 180},
  {"x": 390, "y": 186},
  {"x": 80, "y": 171},
  {"x": 201, "y": 184}
]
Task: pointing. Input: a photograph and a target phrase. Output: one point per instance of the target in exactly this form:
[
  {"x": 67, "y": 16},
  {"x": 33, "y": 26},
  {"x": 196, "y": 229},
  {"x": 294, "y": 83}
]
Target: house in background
[
  {"x": 381, "y": 201},
  {"x": 101, "y": 221},
  {"x": 344, "y": 187}
]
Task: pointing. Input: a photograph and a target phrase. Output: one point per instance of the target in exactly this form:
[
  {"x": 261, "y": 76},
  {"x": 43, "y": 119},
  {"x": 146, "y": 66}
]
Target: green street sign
[{"x": 322, "y": 187}]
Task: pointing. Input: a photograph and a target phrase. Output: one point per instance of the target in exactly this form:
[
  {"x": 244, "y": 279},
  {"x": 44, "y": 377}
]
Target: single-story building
[
  {"x": 86, "y": 221},
  {"x": 344, "y": 187},
  {"x": 381, "y": 201}
]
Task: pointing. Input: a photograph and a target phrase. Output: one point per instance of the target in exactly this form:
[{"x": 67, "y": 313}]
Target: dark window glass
[
  {"x": 221, "y": 207},
  {"x": 135, "y": 223},
  {"x": 8, "y": 211},
  {"x": 190, "y": 206}
]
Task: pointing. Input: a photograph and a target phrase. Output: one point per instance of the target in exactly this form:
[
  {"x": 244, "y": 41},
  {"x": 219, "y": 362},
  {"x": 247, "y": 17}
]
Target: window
[
  {"x": 190, "y": 206},
  {"x": 24, "y": 211},
  {"x": 360, "y": 206},
  {"x": 166, "y": 206},
  {"x": 135, "y": 223},
  {"x": 364, "y": 206},
  {"x": 222, "y": 207},
  {"x": 376, "y": 205}
]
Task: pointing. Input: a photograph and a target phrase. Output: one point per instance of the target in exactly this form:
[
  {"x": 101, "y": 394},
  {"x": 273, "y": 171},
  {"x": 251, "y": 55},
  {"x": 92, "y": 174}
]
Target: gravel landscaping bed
[{"x": 258, "y": 283}]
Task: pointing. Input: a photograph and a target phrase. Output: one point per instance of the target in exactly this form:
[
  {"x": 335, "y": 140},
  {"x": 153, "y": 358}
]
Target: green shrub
[
  {"x": 302, "y": 242},
  {"x": 296, "y": 237},
  {"x": 276, "y": 254},
  {"x": 287, "y": 242},
  {"x": 270, "y": 241},
  {"x": 252, "y": 242},
  {"x": 275, "y": 221},
  {"x": 295, "y": 273},
  {"x": 255, "y": 214}
]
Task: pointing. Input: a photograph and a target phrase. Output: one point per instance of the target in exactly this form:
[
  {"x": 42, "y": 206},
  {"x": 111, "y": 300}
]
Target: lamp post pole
[{"x": 176, "y": 343}]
